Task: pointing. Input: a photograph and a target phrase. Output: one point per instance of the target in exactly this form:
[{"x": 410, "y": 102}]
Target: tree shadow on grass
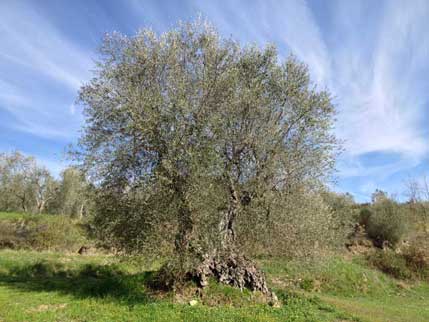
[{"x": 90, "y": 281}]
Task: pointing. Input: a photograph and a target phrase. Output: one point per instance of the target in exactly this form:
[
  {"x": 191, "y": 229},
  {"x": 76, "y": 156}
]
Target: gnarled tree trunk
[
  {"x": 227, "y": 223},
  {"x": 227, "y": 264}
]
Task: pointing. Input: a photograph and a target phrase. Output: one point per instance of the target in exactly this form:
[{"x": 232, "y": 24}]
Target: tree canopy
[{"x": 187, "y": 134}]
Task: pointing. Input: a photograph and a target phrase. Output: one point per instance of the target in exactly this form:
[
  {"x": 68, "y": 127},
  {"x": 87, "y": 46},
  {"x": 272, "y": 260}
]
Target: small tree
[
  {"x": 45, "y": 187},
  {"x": 25, "y": 185},
  {"x": 417, "y": 192},
  {"x": 187, "y": 133},
  {"x": 16, "y": 177},
  {"x": 72, "y": 193},
  {"x": 379, "y": 196},
  {"x": 386, "y": 223}
]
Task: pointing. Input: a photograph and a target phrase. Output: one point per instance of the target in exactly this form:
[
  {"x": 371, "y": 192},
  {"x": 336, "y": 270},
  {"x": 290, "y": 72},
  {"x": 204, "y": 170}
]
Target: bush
[
  {"x": 390, "y": 263},
  {"x": 386, "y": 223},
  {"x": 41, "y": 232},
  {"x": 8, "y": 236},
  {"x": 301, "y": 226},
  {"x": 409, "y": 260},
  {"x": 416, "y": 255},
  {"x": 364, "y": 217}
]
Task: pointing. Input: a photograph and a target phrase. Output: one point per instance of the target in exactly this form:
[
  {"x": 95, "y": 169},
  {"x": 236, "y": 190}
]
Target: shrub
[
  {"x": 386, "y": 223},
  {"x": 8, "y": 236},
  {"x": 41, "y": 232},
  {"x": 416, "y": 255},
  {"x": 304, "y": 227},
  {"x": 364, "y": 217},
  {"x": 390, "y": 263}
]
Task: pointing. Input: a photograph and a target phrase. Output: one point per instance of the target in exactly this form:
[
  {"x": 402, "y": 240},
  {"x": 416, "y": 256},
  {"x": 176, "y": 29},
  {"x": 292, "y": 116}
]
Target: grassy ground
[
  {"x": 19, "y": 216},
  {"x": 64, "y": 286},
  {"x": 350, "y": 286},
  {"x": 55, "y": 287},
  {"x": 46, "y": 286}
]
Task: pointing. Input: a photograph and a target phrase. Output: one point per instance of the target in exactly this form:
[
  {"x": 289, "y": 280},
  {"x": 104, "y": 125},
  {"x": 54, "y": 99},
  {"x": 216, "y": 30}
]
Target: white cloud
[
  {"x": 29, "y": 40},
  {"x": 374, "y": 57},
  {"x": 72, "y": 109},
  {"x": 378, "y": 83},
  {"x": 10, "y": 95},
  {"x": 41, "y": 73},
  {"x": 299, "y": 30},
  {"x": 38, "y": 116},
  {"x": 286, "y": 23}
]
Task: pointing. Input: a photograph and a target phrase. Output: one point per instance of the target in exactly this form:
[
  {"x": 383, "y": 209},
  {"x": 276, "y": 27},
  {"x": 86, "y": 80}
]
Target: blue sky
[{"x": 372, "y": 55}]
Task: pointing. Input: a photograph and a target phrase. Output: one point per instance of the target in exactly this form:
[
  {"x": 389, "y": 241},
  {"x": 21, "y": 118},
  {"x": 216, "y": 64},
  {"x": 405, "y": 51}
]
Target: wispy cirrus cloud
[
  {"x": 383, "y": 100},
  {"x": 381, "y": 88},
  {"x": 31, "y": 42},
  {"x": 372, "y": 55},
  {"x": 41, "y": 71},
  {"x": 290, "y": 25}
]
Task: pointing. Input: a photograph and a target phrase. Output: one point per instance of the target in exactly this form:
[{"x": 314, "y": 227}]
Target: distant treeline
[{"x": 27, "y": 186}]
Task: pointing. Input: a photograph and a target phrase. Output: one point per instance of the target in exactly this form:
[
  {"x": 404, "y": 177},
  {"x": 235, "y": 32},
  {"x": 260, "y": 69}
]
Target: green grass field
[
  {"x": 54, "y": 285},
  {"x": 46, "y": 286}
]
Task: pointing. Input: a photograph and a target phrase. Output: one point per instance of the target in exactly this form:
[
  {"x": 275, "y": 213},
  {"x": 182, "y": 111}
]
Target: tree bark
[
  {"x": 235, "y": 270},
  {"x": 81, "y": 211},
  {"x": 184, "y": 219},
  {"x": 40, "y": 206},
  {"x": 227, "y": 264},
  {"x": 23, "y": 203},
  {"x": 227, "y": 223}
]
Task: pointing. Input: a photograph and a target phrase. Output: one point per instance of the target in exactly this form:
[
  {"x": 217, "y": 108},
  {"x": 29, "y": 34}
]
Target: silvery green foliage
[
  {"x": 16, "y": 176},
  {"x": 299, "y": 225},
  {"x": 24, "y": 185},
  {"x": 73, "y": 197},
  {"x": 187, "y": 133}
]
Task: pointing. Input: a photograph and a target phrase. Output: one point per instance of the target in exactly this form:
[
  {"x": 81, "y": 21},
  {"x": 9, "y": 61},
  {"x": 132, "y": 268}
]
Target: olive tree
[
  {"x": 72, "y": 196},
  {"x": 187, "y": 133},
  {"x": 25, "y": 185},
  {"x": 45, "y": 187},
  {"x": 16, "y": 179}
]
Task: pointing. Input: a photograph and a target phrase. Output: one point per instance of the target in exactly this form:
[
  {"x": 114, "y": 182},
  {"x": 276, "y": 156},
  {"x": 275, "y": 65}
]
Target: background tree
[
  {"x": 25, "y": 185},
  {"x": 45, "y": 187},
  {"x": 192, "y": 133},
  {"x": 73, "y": 193},
  {"x": 417, "y": 192},
  {"x": 17, "y": 177},
  {"x": 379, "y": 196}
]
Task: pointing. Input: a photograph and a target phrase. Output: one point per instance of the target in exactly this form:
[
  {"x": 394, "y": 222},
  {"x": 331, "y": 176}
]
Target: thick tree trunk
[
  {"x": 227, "y": 229},
  {"x": 227, "y": 223},
  {"x": 184, "y": 219},
  {"x": 227, "y": 264},
  {"x": 235, "y": 270}
]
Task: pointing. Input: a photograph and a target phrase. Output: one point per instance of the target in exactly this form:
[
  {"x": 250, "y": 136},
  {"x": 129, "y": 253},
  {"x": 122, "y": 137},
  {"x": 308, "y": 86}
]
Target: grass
[
  {"x": 410, "y": 306},
  {"x": 49, "y": 286},
  {"x": 351, "y": 286},
  {"x": 20, "y": 216},
  {"x": 61, "y": 286},
  {"x": 42, "y": 286}
]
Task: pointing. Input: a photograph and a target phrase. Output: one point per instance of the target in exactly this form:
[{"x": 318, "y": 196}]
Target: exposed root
[{"x": 235, "y": 270}]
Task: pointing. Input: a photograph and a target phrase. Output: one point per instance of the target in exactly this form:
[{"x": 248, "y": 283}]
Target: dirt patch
[{"x": 48, "y": 307}]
